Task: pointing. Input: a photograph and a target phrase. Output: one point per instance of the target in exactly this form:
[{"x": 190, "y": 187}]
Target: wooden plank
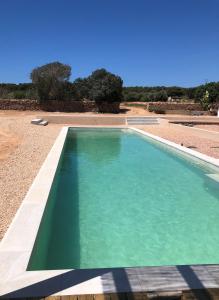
[
  {"x": 102, "y": 297},
  {"x": 172, "y": 295},
  {"x": 137, "y": 296},
  {"x": 69, "y": 297},
  {"x": 117, "y": 296},
  {"x": 200, "y": 295},
  {"x": 86, "y": 297},
  {"x": 73, "y": 297},
  {"x": 214, "y": 293},
  {"x": 188, "y": 295}
]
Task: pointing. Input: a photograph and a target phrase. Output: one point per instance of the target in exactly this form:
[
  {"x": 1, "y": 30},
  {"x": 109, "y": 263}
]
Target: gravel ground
[
  {"x": 21, "y": 165},
  {"x": 182, "y": 136},
  {"x": 208, "y": 127}
]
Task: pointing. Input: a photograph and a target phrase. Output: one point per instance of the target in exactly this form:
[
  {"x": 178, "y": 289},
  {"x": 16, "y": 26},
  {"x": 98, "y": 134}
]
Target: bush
[
  {"x": 19, "y": 95},
  {"x": 159, "y": 111}
]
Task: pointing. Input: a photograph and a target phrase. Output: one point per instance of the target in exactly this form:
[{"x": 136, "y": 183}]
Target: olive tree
[
  {"x": 82, "y": 88},
  {"x": 106, "y": 90},
  {"x": 105, "y": 86},
  {"x": 50, "y": 80}
]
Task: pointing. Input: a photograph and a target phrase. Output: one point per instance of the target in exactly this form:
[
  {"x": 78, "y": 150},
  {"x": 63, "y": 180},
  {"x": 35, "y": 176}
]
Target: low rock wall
[
  {"x": 153, "y": 106},
  {"x": 55, "y": 105}
]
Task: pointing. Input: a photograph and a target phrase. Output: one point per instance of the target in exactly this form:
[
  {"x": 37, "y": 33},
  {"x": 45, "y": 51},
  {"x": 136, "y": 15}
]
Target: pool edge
[{"x": 191, "y": 152}]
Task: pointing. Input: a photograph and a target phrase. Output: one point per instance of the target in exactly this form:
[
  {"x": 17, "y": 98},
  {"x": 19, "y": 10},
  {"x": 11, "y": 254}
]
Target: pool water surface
[{"x": 121, "y": 200}]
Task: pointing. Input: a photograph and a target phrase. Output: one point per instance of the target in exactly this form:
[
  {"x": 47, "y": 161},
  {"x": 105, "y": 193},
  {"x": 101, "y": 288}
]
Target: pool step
[
  {"x": 215, "y": 177},
  {"x": 142, "y": 121}
]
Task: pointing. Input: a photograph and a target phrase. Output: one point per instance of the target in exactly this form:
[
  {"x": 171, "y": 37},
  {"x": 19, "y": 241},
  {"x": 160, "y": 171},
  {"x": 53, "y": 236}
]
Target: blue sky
[{"x": 146, "y": 42}]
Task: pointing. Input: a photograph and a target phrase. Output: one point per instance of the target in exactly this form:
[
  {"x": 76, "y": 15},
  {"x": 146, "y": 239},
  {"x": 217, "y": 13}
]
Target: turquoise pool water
[{"x": 121, "y": 200}]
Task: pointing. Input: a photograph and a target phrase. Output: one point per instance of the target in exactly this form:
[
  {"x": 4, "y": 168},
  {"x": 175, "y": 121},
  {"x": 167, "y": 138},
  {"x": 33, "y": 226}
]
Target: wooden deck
[
  {"x": 166, "y": 282},
  {"x": 211, "y": 294}
]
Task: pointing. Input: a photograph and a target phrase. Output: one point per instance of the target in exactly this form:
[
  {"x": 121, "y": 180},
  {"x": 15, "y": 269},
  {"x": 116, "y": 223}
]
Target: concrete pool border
[{"x": 17, "y": 244}]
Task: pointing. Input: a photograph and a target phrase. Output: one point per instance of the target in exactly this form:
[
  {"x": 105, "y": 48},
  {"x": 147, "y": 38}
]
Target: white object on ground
[
  {"x": 36, "y": 121},
  {"x": 43, "y": 123}
]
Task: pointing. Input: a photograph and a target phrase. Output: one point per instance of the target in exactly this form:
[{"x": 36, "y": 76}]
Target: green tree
[
  {"x": 175, "y": 91},
  {"x": 50, "y": 80},
  {"x": 106, "y": 90},
  {"x": 190, "y": 93},
  {"x": 82, "y": 88},
  {"x": 105, "y": 86},
  {"x": 213, "y": 90}
]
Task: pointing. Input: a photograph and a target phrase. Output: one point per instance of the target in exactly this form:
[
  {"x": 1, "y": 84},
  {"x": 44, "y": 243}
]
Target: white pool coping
[
  {"x": 183, "y": 149},
  {"x": 17, "y": 244}
]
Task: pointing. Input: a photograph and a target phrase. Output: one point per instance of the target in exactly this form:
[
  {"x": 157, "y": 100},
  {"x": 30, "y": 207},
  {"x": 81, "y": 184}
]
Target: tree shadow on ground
[{"x": 69, "y": 279}]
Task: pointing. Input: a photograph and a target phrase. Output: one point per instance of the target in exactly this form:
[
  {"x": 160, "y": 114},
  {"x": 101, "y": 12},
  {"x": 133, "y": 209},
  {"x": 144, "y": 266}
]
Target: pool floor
[{"x": 121, "y": 200}]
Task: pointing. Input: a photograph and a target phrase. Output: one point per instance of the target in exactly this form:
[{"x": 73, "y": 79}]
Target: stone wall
[
  {"x": 164, "y": 106},
  {"x": 68, "y": 106},
  {"x": 55, "y": 105},
  {"x": 21, "y": 104}
]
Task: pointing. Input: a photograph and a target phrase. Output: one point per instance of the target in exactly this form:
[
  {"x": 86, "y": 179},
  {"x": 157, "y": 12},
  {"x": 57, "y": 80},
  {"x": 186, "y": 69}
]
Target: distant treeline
[
  {"x": 77, "y": 91},
  {"x": 17, "y": 91},
  {"x": 161, "y": 93}
]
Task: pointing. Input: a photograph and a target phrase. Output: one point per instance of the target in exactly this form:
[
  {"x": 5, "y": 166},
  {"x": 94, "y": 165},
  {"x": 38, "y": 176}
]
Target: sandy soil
[
  {"x": 23, "y": 148},
  {"x": 132, "y": 110},
  {"x": 8, "y": 142},
  {"x": 181, "y": 136},
  {"x": 208, "y": 127}
]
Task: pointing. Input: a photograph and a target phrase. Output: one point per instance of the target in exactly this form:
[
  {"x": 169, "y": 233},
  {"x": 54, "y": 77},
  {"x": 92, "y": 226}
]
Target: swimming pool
[{"x": 119, "y": 199}]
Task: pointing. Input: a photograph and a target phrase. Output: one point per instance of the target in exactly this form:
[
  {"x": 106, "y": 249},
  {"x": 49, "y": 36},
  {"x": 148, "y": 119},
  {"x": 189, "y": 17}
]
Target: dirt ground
[
  {"x": 8, "y": 142},
  {"x": 10, "y": 139},
  {"x": 209, "y": 127},
  {"x": 187, "y": 138}
]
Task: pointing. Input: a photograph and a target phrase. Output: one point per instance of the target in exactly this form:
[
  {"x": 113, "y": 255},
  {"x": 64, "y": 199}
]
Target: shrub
[
  {"x": 205, "y": 100},
  {"x": 19, "y": 95},
  {"x": 159, "y": 111}
]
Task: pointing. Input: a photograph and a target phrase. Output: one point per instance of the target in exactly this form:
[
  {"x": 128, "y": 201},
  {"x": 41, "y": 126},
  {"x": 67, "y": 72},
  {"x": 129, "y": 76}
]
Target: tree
[
  {"x": 175, "y": 91},
  {"x": 190, "y": 93},
  {"x": 105, "y": 86},
  {"x": 50, "y": 80},
  {"x": 213, "y": 90},
  {"x": 82, "y": 88}
]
